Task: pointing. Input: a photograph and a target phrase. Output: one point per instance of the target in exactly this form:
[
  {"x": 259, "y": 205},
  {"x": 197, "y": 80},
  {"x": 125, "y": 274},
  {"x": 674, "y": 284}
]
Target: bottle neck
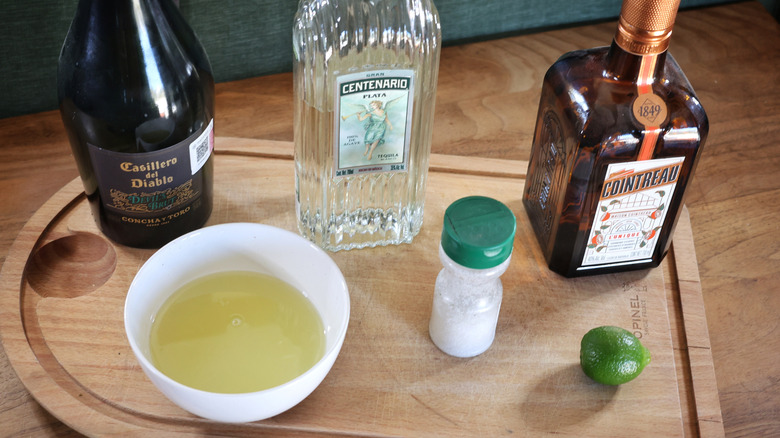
[
  {"x": 625, "y": 66},
  {"x": 644, "y": 29}
]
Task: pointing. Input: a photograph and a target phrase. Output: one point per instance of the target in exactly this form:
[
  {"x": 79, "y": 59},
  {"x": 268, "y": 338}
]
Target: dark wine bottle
[{"x": 136, "y": 96}]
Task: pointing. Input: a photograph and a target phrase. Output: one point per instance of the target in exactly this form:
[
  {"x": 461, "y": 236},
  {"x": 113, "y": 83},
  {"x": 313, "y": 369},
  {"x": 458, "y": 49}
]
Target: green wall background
[{"x": 246, "y": 38}]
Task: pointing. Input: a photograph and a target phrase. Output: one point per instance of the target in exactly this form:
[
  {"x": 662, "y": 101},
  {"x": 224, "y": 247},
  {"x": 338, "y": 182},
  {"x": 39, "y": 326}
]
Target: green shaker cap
[{"x": 478, "y": 232}]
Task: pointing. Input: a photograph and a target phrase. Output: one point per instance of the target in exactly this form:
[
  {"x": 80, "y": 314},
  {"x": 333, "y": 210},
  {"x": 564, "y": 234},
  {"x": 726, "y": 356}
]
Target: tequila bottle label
[
  {"x": 373, "y": 122},
  {"x": 632, "y": 207}
]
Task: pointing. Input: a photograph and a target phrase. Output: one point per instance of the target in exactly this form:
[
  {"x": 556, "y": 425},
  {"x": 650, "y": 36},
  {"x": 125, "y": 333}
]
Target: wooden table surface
[{"x": 486, "y": 106}]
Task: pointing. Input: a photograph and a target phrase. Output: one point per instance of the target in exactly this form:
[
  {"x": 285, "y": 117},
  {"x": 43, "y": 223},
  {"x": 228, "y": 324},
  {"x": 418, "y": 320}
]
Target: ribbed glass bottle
[{"x": 365, "y": 76}]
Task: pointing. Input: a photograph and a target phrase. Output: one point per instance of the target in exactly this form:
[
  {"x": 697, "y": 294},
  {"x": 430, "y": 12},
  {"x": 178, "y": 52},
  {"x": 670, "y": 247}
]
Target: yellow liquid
[{"x": 235, "y": 332}]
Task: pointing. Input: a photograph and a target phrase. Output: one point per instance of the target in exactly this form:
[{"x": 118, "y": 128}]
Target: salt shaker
[{"x": 475, "y": 249}]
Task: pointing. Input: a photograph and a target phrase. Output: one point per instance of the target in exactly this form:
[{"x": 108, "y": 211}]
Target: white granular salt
[{"x": 466, "y": 304}]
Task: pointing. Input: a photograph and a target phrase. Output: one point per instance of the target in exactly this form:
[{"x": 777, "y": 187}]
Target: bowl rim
[{"x": 148, "y": 366}]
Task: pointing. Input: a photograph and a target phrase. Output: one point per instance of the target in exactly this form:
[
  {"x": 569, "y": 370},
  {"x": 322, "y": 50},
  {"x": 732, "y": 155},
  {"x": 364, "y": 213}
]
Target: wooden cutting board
[{"x": 63, "y": 285}]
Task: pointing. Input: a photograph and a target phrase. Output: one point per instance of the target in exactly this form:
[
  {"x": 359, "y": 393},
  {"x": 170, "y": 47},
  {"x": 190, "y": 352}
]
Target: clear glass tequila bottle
[{"x": 364, "y": 76}]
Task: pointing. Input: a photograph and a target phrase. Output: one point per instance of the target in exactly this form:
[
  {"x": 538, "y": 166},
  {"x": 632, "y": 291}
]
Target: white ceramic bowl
[{"x": 231, "y": 247}]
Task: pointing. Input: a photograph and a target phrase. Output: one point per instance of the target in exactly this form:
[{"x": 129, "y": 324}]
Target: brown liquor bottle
[{"x": 617, "y": 139}]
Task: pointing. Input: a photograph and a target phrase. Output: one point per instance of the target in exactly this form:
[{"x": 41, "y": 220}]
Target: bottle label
[
  {"x": 632, "y": 207},
  {"x": 152, "y": 188},
  {"x": 373, "y": 122},
  {"x": 649, "y": 110}
]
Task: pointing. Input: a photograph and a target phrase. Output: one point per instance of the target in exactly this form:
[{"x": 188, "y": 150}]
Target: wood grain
[
  {"x": 69, "y": 348},
  {"x": 486, "y": 106}
]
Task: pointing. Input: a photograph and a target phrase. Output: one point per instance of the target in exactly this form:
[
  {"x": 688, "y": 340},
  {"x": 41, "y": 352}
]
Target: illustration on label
[
  {"x": 632, "y": 207},
  {"x": 373, "y": 122},
  {"x": 143, "y": 202}
]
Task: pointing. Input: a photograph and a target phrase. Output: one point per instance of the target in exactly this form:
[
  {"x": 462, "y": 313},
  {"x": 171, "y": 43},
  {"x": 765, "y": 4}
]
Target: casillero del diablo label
[
  {"x": 152, "y": 188},
  {"x": 631, "y": 211}
]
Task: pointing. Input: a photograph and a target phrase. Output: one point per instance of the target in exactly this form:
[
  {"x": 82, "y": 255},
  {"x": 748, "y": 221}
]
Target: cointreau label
[{"x": 631, "y": 211}]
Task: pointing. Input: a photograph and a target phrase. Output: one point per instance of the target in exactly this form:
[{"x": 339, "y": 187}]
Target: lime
[{"x": 612, "y": 355}]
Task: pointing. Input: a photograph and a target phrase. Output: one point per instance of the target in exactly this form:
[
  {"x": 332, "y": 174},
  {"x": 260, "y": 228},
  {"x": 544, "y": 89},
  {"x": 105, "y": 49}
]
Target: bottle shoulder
[
  {"x": 344, "y": 26},
  {"x": 452, "y": 268},
  {"x": 578, "y": 63},
  {"x": 579, "y": 90},
  {"x": 118, "y": 74}
]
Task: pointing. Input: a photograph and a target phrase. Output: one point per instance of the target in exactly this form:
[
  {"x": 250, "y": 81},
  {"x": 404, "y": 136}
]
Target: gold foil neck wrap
[{"x": 645, "y": 26}]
